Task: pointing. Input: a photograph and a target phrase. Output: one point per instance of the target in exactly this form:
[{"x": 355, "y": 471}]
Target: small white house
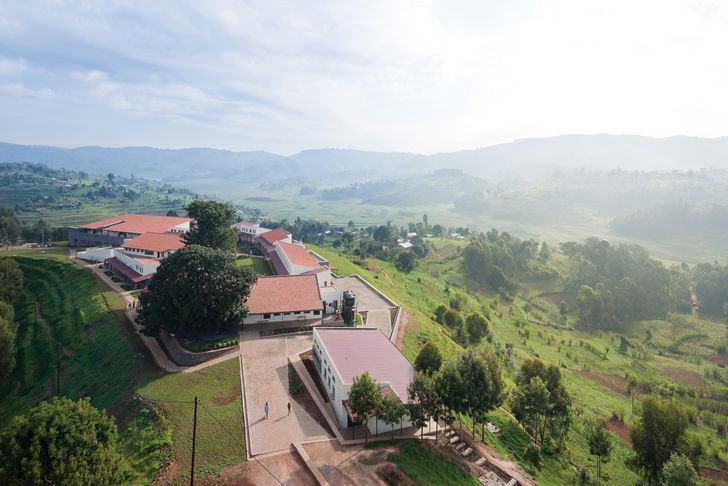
[
  {"x": 249, "y": 230},
  {"x": 342, "y": 354}
]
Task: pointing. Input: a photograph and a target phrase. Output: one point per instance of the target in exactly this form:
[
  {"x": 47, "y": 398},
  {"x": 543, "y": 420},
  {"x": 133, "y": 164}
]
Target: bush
[
  {"x": 197, "y": 346},
  {"x": 533, "y": 454}
]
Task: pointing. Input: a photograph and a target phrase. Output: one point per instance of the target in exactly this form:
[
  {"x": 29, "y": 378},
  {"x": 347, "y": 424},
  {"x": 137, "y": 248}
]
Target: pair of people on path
[{"x": 267, "y": 409}]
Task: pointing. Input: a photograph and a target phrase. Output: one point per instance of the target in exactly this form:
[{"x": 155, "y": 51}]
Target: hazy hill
[
  {"x": 522, "y": 159},
  {"x": 440, "y": 186}
]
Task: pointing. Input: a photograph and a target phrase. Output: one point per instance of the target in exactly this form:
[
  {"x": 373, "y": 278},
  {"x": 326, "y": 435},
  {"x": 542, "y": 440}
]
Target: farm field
[
  {"x": 592, "y": 366},
  {"x": 64, "y": 198}
]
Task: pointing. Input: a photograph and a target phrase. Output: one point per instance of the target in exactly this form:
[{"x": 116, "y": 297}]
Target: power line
[{"x": 238, "y": 442}]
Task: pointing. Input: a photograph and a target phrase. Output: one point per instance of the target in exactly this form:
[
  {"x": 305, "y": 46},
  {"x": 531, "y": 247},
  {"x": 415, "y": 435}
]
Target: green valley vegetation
[
  {"x": 46, "y": 200},
  {"x": 196, "y": 290},
  {"x": 667, "y": 345}
]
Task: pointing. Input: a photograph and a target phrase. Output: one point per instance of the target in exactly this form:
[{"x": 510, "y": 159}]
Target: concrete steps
[
  {"x": 460, "y": 446},
  {"x": 467, "y": 452},
  {"x": 454, "y": 439},
  {"x": 480, "y": 461}
]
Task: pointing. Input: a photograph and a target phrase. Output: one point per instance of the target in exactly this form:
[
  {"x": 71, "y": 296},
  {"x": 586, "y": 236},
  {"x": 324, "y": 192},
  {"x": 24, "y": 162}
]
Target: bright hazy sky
[{"x": 421, "y": 76}]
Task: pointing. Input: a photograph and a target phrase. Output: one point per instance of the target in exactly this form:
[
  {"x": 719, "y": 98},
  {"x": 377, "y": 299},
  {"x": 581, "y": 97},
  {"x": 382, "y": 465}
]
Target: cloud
[
  {"x": 21, "y": 91},
  {"x": 12, "y": 67},
  {"x": 422, "y": 76}
]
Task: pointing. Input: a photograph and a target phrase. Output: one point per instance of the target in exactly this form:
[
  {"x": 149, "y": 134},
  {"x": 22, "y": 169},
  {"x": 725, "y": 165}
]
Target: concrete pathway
[{"x": 265, "y": 373}]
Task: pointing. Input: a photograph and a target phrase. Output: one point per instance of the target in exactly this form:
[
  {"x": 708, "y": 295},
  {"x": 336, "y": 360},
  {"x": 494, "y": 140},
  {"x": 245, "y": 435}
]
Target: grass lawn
[
  {"x": 220, "y": 435},
  {"x": 428, "y": 467},
  {"x": 259, "y": 265}
]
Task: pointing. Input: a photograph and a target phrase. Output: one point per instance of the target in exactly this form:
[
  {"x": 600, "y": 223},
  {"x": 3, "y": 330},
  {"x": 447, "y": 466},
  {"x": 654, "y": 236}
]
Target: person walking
[
  {"x": 267, "y": 409},
  {"x": 289, "y": 408}
]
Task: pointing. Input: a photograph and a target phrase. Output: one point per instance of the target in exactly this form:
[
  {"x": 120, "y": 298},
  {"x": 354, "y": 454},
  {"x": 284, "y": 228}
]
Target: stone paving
[{"x": 265, "y": 369}]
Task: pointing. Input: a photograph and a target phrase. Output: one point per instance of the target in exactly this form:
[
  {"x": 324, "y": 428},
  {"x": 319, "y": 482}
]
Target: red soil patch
[
  {"x": 716, "y": 476},
  {"x": 226, "y": 398},
  {"x": 613, "y": 382},
  {"x": 619, "y": 429},
  {"x": 405, "y": 321},
  {"x": 686, "y": 377},
  {"x": 719, "y": 359}
]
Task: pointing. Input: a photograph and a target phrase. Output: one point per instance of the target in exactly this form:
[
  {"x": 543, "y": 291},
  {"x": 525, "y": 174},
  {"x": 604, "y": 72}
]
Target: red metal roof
[
  {"x": 128, "y": 272},
  {"x": 356, "y": 350},
  {"x": 156, "y": 242},
  {"x": 299, "y": 255},
  {"x": 137, "y": 223},
  {"x": 275, "y": 235},
  {"x": 289, "y": 293}
]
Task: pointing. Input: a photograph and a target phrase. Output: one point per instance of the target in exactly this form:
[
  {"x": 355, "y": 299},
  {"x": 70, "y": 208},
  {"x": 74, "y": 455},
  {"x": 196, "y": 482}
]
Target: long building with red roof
[
  {"x": 116, "y": 230},
  {"x": 133, "y": 244}
]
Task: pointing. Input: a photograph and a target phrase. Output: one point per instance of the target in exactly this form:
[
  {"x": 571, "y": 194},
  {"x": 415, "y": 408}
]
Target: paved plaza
[{"x": 265, "y": 368}]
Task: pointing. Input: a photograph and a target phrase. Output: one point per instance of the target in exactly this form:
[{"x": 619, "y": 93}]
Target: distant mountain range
[{"x": 325, "y": 168}]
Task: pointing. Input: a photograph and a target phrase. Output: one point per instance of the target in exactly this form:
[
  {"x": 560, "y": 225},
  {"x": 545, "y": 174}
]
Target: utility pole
[
  {"x": 194, "y": 437},
  {"x": 58, "y": 369}
]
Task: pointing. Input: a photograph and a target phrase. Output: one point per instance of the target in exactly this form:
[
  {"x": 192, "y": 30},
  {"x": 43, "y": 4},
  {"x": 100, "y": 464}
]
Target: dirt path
[{"x": 405, "y": 321}]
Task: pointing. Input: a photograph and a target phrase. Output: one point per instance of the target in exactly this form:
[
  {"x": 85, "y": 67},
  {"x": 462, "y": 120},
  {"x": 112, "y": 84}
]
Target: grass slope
[
  {"x": 96, "y": 360},
  {"x": 536, "y": 329},
  {"x": 428, "y": 468}
]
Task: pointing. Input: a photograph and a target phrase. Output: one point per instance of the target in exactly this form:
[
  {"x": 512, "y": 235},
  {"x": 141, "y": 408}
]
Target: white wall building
[
  {"x": 342, "y": 354},
  {"x": 284, "y": 298},
  {"x": 249, "y": 230}
]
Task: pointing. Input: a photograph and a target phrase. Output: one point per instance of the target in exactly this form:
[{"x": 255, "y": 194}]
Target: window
[
  {"x": 277, "y": 314},
  {"x": 266, "y": 316},
  {"x": 286, "y": 313},
  {"x": 317, "y": 312}
]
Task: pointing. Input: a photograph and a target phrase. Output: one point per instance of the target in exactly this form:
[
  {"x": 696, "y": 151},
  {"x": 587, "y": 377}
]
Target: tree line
[{"x": 494, "y": 258}]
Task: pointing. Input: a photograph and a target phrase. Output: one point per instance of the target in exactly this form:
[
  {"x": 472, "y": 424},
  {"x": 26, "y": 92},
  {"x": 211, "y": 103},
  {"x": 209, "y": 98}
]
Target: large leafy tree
[
  {"x": 406, "y": 261},
  {"x": 657, "y": 434},
  {"x": 483, "y": 384},
  {"x": 364, "y": 398},
  {"x": 11, "y": 279},
  {"x": 477, "y": 327},
  {"x": 545, "y": 415},
  {"x": 61, "y": 442},
  {"x": 679, "y": 471},
  {"x": 383, "y": 233},
  {"x": 196, "y": 290},
  {"x": 212, "y": 226},
  {"x": 599, "y": 443},
  {"x": 425, "y": 401},
  {"x": 10, "y": 227},
  {"x": 391, "y": 410},
  {"x": 429, "y": 359}
]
